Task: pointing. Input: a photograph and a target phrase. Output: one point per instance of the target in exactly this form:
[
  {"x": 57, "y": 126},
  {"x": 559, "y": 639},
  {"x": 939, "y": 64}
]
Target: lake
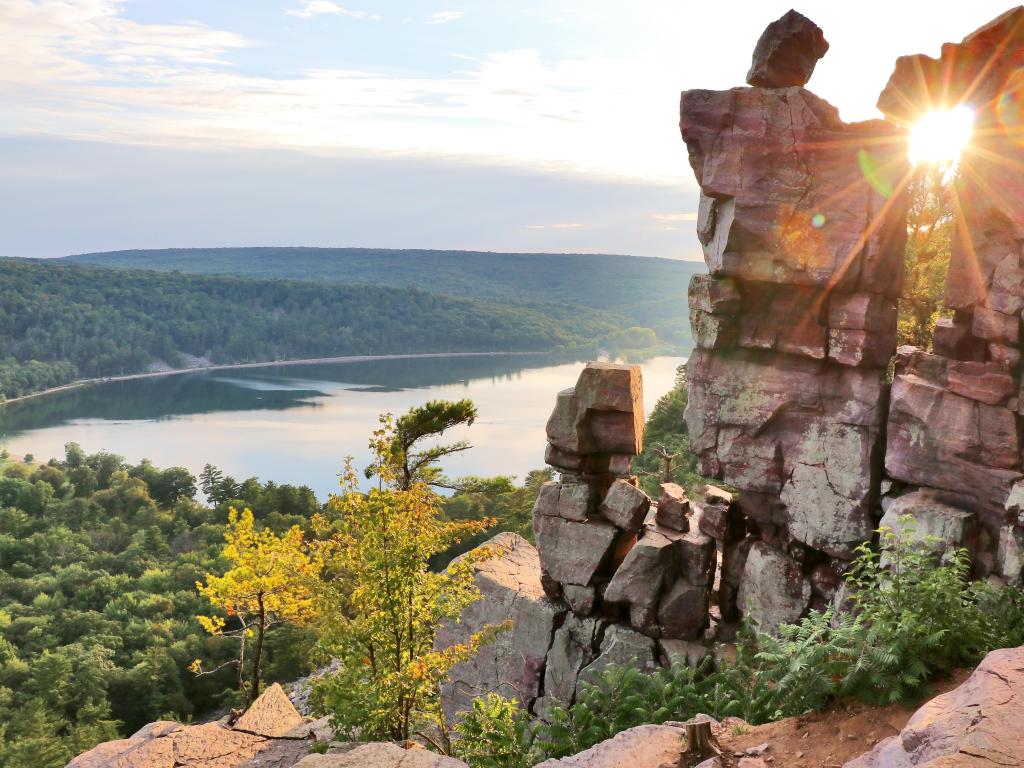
[{"x": 297, "y": 424}]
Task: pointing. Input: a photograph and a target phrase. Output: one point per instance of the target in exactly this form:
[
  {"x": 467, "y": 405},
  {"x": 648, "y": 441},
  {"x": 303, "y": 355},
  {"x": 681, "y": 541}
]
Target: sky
[{"x": 533, "y": 125}]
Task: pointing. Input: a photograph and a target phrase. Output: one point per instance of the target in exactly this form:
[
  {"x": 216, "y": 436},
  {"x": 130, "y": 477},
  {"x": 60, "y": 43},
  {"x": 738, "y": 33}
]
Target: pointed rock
[
  {"x": 787, "y": 52},
  {"x": 272, "y": 715}
]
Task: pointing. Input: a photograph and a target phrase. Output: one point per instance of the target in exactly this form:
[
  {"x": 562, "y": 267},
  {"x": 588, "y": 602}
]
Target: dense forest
[
  {"x": 60, "y": 321},
  {"x": 644, "y": 292},
  {"x": 99, "y": 561}
]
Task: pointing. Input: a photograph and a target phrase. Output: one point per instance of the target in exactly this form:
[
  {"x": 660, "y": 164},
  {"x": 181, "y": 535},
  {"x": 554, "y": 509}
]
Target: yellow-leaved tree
[
  {"x": 269, "y": 583},
  {"x": 380, "y": 605}
]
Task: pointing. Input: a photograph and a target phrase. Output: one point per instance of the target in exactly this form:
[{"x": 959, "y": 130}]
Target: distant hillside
[
  {"x": 61, "y": 321},
  {"x": 645, "y": 291}
]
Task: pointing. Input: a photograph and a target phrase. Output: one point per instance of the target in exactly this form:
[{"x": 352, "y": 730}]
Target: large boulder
[
  {"x": 773, "y": 589},
  {"x": 271, "y": 715},
  {"x": 602, "y": 414},
  {"x": 787, "y": 51},
  {"x": 572, "y": 552},
  {"x": 646, "y": 746},
  {"x": 512, "y": 665},
  {"x": 976, "y": 724}
]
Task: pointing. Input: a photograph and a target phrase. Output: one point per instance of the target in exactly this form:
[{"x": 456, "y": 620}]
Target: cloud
[
  {"x": 443, "y": 17},
  {"x": 81, "y": 70},
  {"x": 311, "y": 8},
  {"x": 566, "y": 225},
  {"x": 674, "y": 217}
]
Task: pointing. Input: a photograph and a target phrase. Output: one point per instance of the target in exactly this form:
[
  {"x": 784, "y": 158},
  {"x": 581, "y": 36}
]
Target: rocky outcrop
[
  {"x": 514, "y": 664},
  {"x": 977, "y": 724},
  {"x": 271, "y": 734},
  {"x": 802, "y": 221},
  {"x": 646, "y": 746},
  {"x": 954, "y": 424},
  {"x": 381, "y": 756}
]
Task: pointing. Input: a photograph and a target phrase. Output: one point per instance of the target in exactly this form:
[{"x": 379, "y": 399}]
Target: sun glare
[{"x": 940, "y": 137}]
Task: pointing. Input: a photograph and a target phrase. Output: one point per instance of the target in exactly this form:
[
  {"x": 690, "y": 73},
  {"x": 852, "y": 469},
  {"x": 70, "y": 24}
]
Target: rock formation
[
  {"x": 802, "y": 220},
  {"x": 954, "y": 423},
  {"x": 975, "y": 724},
  {"x": 271, "y": 734}
]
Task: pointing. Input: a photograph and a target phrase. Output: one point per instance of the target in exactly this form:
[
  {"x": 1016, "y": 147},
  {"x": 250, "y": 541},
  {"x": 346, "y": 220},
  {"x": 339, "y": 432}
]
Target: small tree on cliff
[
  {"x": 926, "y": 260},
  {"x": 268, "y": 584},
  {"x": 395, "y": 443},
  {"x": 381, "y": 605}
]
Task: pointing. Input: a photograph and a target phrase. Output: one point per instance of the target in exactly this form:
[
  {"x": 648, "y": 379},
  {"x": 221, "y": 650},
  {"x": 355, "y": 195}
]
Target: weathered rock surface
[
  {"x": 625, "y": 505},
  {"x": 673, "y": 508},
  {"x": 646, "y": 746},
  {"x": 273, "y": 737},
  {"x": 512, "y": 665},
  {"x": 787, "y": 52},
  {"x": 381, "y": 755},
  {"x": 935, "y": 524},
  {"x": 977, "y": 724},
  {"x": 271, "y": 715},
  {"x": 575, "y": 646},
  {"x": 773, "y": 589}
]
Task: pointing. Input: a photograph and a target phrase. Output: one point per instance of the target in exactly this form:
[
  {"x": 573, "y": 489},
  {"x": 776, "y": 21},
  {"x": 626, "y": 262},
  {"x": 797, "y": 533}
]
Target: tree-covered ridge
[
  {"x": 60, "y": 321},
  {"x": 648, "y": 292}
]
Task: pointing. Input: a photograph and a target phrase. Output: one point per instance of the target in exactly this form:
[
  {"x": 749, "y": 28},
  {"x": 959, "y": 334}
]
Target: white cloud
[
  {"x": 79, "y": 69},
  {"x": 443, "y": 17},
  {"x": 668, "y": 218},
  {"x": 566, "y": 225},
  {"x": 311, "y": 8}
]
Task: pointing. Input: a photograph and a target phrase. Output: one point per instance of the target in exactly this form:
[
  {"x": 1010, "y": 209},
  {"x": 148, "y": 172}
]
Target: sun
[{"x": 939, "y": 137}]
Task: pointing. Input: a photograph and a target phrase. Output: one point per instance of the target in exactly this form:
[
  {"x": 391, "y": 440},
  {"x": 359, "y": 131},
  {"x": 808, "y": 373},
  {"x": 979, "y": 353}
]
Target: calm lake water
[{"x": 296, "y": 424}]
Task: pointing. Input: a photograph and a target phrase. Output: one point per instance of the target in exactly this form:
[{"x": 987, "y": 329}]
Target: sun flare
[{"x": 939, "y": 137}]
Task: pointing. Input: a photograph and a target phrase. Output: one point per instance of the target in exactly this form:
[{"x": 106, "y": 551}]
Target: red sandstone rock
[
  {"x": 625, "y": 505},
  {"x": 673, "y": 508}
]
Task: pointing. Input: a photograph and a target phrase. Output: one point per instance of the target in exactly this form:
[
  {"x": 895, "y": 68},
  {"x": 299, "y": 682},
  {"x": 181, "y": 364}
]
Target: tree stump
[{"x": 700, "y": 744}]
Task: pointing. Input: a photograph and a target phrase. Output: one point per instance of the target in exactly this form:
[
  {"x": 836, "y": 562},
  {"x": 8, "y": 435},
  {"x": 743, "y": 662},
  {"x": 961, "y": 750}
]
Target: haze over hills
[{"x": 649, "y": 292}]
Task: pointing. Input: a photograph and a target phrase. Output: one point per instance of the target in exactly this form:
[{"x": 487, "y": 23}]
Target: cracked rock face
[
  {"x": 977, "y": 724},
  {"x": 514, "y": 664}
]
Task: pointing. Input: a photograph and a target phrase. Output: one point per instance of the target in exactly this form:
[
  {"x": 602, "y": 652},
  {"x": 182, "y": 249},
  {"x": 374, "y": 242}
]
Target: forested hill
[
  {"x": 60, "y": 322},
  {"x": 645, "y": 291}
]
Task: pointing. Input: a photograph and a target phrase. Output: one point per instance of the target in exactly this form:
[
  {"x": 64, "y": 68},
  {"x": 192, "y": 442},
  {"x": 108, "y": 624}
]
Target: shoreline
[{"x": 237, "y": 366}]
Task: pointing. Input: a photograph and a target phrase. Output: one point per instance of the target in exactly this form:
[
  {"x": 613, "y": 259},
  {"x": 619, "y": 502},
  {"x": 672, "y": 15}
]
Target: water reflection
[{"x": 295, "y": 424}]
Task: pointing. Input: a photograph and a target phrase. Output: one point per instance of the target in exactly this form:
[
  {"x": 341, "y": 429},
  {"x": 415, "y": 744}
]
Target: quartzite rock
[
  {"x": 574, "y": 647},
  {"x": 272, "y": 715},
  {"x": 683, "y": 611},
  {"x": 513, "y": 664},
  {"x": 773, "y": 589},
  {"x": 649, "y": 566},
  {"x": 381, "y": 755},
  {"x": 787, "y": 52},
  {"x": 673, "y": 508},
  {"x": 934, "y": 524},
  {"x": 976, "y": 724},
  {"x": 625, "y": 505},
  {"x": 603, "y": 413},
  {"x": 572, "y": 552},
  {"x": 646, "y": 746},
  {"x": 620, "y": 646}
]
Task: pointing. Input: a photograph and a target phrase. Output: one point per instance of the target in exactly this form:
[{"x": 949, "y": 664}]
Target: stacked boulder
[
  {"x": 638, "y": 577},
  {"x": 954, "y": 427},
  {"x": 802, "y": 220}
]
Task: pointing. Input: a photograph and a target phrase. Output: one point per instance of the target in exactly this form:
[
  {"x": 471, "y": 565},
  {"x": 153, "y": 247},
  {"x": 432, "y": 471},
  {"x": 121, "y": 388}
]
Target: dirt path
[{"x": 236, "y": 366}]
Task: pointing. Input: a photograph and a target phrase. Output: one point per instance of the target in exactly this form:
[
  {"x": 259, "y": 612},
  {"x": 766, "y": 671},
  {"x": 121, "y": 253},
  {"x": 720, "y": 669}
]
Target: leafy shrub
[{"x": 494, "y": 733}]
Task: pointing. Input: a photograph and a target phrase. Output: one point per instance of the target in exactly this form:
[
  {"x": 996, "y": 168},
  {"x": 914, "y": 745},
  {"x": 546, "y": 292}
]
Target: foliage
[
  {"x": 915, "y": 615},
  {"x": 666, "y": 433},
  {"x": 394, "y": 444},
  {"x": 926, "y": 259},
  {"x": 98, "y": 602},
  {"x": 494, "y": 733},
  {"x": 267, "y": 585},
  {"x": 633, "y": 291},
  {"x": 381, "y": 605},
  {"x": 61, "y": 321}
]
